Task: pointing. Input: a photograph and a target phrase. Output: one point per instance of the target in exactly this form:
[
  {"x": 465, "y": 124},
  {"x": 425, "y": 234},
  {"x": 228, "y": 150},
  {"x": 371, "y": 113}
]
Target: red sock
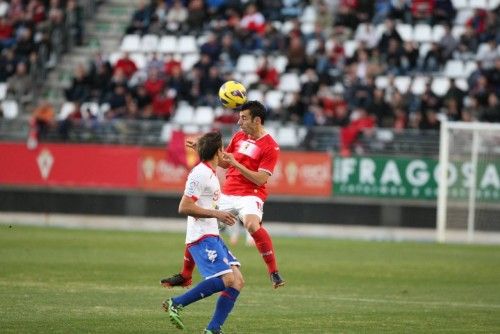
[
  {"x": 264, "y": 244},
  {"x": 188, "y": 265}
]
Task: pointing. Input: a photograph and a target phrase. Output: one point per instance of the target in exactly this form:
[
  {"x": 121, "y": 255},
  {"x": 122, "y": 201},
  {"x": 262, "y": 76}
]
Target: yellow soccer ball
[{"x": 232, "y": 94}]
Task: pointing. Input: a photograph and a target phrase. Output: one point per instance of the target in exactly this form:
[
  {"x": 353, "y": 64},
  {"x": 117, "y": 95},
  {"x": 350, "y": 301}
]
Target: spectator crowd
[
  {"x": 348, "y": 54},
  {"x": 33, "y": 36}
]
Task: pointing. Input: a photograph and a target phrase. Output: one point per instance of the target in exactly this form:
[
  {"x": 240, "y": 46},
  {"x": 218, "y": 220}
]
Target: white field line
[
  {"x": 389, "y": 301},
  {"x": 129, "y": 223}
]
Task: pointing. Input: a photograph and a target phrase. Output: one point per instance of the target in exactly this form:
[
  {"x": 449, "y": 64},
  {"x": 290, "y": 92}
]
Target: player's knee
[
  {"x": 251, "y": 222},
  {"x": 239, "y": 283},
  {"x": 228, "y": 279},
  {"x": 252, "y": 226}
]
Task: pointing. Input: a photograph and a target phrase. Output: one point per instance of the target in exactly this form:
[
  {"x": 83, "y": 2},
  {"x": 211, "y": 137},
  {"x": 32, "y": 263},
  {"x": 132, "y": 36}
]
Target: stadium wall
[
  {"x": 137, "y": 181},
  {"x": 355, "y": 211},
  {"x": 312, "y": 187}
]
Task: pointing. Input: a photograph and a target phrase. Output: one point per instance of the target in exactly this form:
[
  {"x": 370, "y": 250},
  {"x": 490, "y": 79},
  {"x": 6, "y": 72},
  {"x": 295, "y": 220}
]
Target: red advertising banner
[
  {"x": 157, "y": 173},
  {"x": 302, "y": 174},
  {"x": 106, "y": 166},
  {"x": 97, "y": 166},
  {"x": 297, "y": 173}
]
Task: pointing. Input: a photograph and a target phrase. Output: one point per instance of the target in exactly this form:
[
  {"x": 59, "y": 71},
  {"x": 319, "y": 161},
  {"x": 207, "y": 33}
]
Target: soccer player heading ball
[{"x": 250, "y": 159}]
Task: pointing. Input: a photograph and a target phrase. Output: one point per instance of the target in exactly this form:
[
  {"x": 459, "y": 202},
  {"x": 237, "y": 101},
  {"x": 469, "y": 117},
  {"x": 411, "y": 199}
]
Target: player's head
[
  {"x": 209, "y": 145},
  {"x": 255, "y": 109},
  {"x": 252, "y": 117}
]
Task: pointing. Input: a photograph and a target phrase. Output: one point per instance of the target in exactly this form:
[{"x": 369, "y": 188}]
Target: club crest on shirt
[{"x": 249, "y": 149}]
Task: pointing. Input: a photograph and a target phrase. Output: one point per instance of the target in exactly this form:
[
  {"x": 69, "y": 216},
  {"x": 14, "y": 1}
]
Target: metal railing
[{"x": 152, "y": 133}]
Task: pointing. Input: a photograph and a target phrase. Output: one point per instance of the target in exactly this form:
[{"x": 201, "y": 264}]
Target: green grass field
[{"x": 84, "y": 281}]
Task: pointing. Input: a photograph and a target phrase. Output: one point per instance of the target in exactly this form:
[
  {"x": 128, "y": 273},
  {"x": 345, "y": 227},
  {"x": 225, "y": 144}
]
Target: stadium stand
[{"x": 316, "y": 65}]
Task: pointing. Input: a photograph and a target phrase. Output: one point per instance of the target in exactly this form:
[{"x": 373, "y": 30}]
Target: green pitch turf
[{"x": 83, "y": 281}]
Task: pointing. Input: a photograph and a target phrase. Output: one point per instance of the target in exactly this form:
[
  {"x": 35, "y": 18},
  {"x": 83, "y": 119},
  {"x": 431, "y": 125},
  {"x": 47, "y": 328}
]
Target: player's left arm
[
  {"x": 265, "y": 170},
  {"x": 258, "y": 177}
]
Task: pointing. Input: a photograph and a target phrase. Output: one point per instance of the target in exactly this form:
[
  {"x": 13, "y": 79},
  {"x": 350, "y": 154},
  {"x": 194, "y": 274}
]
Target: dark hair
[
  {"x": 256, "y": 108},
  {"x": 208, "y": 145}
]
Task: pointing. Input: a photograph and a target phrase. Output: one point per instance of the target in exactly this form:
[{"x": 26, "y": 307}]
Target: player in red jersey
[{"x": 250, "y": 159}]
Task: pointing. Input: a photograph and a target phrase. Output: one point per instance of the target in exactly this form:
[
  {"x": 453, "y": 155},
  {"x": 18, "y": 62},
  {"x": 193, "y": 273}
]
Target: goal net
[{"x": 468, "y": 203}]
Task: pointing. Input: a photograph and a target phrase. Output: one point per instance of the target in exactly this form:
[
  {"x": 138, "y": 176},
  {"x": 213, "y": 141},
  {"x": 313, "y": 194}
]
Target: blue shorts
[{"x": 212, "y": 257}]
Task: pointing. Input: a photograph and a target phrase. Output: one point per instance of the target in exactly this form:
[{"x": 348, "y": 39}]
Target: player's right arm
[{"x": 188, "y": 207}]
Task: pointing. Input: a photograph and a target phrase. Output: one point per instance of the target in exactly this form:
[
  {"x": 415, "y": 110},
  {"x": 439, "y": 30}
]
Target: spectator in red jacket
[
  {"x": 348, "y": 135},
  {"x": 127, "y": 65}
]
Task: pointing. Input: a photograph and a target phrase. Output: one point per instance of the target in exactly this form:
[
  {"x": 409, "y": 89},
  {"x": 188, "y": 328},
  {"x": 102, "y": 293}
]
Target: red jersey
[{"x": 256, "y": 155}]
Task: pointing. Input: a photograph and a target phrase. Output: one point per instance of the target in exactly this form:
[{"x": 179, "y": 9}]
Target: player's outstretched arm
[
  {"x": 191, "y": 144},
  {"x": 188, "y": 207}
]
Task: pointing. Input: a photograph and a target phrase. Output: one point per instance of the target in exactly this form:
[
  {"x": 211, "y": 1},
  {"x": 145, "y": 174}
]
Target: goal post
[{"x": 468, "y": 199}]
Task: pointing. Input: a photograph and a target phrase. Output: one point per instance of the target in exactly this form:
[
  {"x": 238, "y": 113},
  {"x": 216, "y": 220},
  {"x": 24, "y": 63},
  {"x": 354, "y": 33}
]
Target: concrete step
[
  {"x": 107, "y": 17},
  {"x": 123, "y": 3},
  {"x": 103, "y": 32},
  {"x": 103, "y": 28}
]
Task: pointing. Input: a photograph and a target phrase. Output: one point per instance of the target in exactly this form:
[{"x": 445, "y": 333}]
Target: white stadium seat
[
  {"x": 10, "y": 109},
  {"x": 381, "y": 82},
  {"x": 402, "y": 83},
  {"x": 309, "y": 14},
  {"x": 424, "y": 49},
  {"x": 166, "y": 132},
  {"x": 3, "y": 90},
  {"x": 249, "y": 79},
  {"x": 289, "y": 82},
  {"x": 149, "y": 43},
  {"x": 422, "y": 33},
  {"x": 457, "y": 31},
  {"x": 405, "y": 31},
  {"x": 418, "y": 85},
  {"x": 114, "y": 56},
  {"x": 183, "y": 115},
  {"x": 271, "y": 130},
  {"x": 307, "y": 28},
  {"x": 437, "y": 33},
  {"x": 66, "y": 109},
  {"x": 469, "y": 67},
  {"x": 168, "y": 44},
  {"x": 462, "y": 84},
  {"x": 187, "y": 44},
  {"x": 255, "y": 95},
  {"x": 312, "y": 46},
  {"x": 139, "y": 59},
  {"x": 131, "y": 43},
  {"x": 454, "y": 69},
  {"x": 188, "y": 61},
  {"x": 273, "y": 98},
  {"x": 350, "y": 47},
  {"x": 463, "y": 15},
  {"x": 440, "y": 85},
  {"x": 191, "y": 129},
  {"x": 92, "y": 107},
  {"x": 204, "y": 115},
  {"x": 460, "y": 4},
  {"x": 246, "y": 63},
  {"x": 493, "y": 4},
  {"x": 287, "y": 136},
  {"x": 286, "y": 27},
  {"x": 280, "y": 63},
  {"x": 482, "y": 4}
]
